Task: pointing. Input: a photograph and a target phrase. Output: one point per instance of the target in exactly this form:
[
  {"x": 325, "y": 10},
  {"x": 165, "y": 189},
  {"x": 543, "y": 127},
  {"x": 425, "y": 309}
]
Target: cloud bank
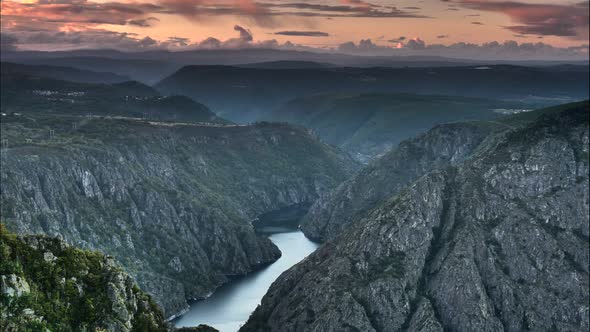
[
  {"x": 303, "y": 33},
  {"x": 564, "y": 20},
  {"x": 508, "y": 50},
  {"x": 75, "y": 24}
]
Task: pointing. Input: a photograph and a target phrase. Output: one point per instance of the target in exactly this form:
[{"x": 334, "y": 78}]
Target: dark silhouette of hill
[
  {"x": 151, "y": 66},
  {"x": 24, "y": 92},
  {"x": 250, "y": 94},
  {"x": 63, "y": 73}
]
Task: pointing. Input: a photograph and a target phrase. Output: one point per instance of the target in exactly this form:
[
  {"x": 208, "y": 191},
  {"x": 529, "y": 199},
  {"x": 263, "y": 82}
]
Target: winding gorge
[
  {"x": 133, "y": 208},
  {"x": 167, "y": 211}
]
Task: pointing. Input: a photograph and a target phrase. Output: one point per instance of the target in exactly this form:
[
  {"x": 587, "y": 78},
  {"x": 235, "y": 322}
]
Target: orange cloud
[
  {"x": 128, "y": 21},
  {"x": 76, "y": 11},
  {"x": 539, "y": 19}
]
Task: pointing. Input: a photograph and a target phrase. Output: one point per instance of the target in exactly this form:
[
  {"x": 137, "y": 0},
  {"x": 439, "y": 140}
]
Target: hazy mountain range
[
  {"x": 251, "y": 94},
  {"x": 151, "y": 66}
]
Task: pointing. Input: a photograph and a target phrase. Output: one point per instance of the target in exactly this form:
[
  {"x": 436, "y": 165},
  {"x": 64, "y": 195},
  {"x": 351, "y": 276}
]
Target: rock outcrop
[
  {"x": 442, "y": 146},
  {"x": 498, "y": 242},
  {"x": 73, "y": 290},
  {"x": 171, "y": 202}
]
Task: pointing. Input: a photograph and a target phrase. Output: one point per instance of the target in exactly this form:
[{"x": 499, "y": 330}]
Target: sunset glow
[{"x": 319, "y": 24}]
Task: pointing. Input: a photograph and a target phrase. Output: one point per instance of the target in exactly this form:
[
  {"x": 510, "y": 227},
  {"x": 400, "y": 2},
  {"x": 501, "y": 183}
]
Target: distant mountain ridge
[
  {"x": 369, "y": 125},
  {"x": 286, "y": 64},
  {"x": 145, "y": 71},
  {"x": 25, "y": 90},
  {"x": 151, "y": 66},
  {"x": 63, "y": 73},
  {"x": 256, "y": 92},
  {"x": 256, "y": 55}
]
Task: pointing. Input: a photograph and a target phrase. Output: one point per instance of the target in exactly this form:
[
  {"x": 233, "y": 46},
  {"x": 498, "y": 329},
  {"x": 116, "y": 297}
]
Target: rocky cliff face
[
  {"x": 171, "y": 202},
  {"x": 49, "y": 286},
  {"x": 442, "y": 146},
  {"x": 497, "y": 242}
]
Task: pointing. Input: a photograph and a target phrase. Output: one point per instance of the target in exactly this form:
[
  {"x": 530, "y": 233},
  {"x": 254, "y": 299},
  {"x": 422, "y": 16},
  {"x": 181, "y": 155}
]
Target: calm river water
[{"x": 230, "y": 305}]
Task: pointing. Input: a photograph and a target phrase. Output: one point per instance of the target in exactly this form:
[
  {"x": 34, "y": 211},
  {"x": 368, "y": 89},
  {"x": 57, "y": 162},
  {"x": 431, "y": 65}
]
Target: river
[{"x": 229, "y": 306}]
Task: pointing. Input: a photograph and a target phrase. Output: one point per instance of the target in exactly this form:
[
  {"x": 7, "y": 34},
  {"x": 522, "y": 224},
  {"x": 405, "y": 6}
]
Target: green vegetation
[{"x": 63, "y": 288}]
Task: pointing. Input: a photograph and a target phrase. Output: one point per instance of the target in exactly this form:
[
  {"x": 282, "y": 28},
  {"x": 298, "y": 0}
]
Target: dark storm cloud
[
  {"x": 303, "y": 33},
  {"x": 538, "y": 19},
  {"x": 77, "y": 11},
  {"x": 245, "y": 34},
  {"x": 397, "y": 40},
  {"x": 315, "y": 9},
  {"x": 143, "y": 22},
  {"x": 178, "y": 41},
  {"x": 91, "y": 38}
]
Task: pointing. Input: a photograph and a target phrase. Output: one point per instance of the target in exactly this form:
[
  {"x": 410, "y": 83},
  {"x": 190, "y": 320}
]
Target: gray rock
[
  {"x": 424, "y": 318},
  {"x": 48, "y": 257},
  {"x": 14, "y": 286},
  {"x": 121, "y": 306},
  {"x": 176, "y": 264},
  {"x": 498, "y": 242},
  {"x": 442, "y": 146},
  {"x": 170, "y": 213}
]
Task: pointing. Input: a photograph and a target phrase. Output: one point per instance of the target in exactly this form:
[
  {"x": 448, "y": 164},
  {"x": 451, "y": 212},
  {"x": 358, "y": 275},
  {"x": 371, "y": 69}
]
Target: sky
[{"x": 460, "y": 28}]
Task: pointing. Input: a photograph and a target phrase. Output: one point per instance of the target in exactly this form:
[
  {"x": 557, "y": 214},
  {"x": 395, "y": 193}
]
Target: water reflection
[{"x": 231, "y": 305}]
